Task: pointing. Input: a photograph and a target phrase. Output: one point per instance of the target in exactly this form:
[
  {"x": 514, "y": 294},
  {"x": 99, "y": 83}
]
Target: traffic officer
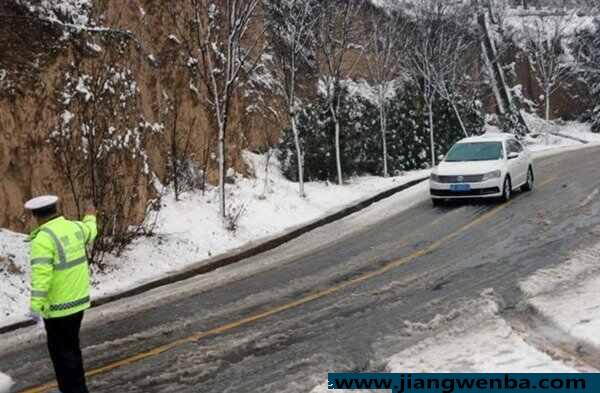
[{"x": 60, "y": 285}]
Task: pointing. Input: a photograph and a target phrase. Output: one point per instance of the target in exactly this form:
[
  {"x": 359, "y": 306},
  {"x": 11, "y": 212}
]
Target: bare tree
[
  {"x": 337, "y": 40},
  {"x": 387, "y": 45},
  {"x": 100, "y": 146},
  {"x": 178, "y": 148},
  {"x": 548, "y": 55},
  {"x": 434, "y": 41},
  {"x": 454, "y": 75},
  {"x": 292, "y": 36},
  {"x": 221, "y": 48}
]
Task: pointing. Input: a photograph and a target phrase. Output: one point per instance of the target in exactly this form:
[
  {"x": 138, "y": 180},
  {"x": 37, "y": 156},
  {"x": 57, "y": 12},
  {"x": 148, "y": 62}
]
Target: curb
[{"x": 240, "y": 255}]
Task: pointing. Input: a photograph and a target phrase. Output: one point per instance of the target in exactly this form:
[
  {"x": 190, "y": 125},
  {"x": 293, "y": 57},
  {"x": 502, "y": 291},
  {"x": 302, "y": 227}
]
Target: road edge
[{"x": 242, "y": 253}]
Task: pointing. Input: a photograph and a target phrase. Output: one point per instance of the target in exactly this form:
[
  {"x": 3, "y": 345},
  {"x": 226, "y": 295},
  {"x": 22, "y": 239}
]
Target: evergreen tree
[
  {"x": 408, "y": 135},
  {"x": 588, "y": 44}
]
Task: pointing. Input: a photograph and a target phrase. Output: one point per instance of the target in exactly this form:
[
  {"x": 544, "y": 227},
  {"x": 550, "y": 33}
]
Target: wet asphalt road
[{"x": 341, "y": 307}]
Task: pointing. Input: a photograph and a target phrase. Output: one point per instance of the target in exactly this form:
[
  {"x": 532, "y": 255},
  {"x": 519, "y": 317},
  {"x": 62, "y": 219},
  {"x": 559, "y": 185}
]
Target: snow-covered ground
[
  {"x": 5, "y": 383},
  {"x": 490, "y": 345},
  {"x": 551, "y": 135}
]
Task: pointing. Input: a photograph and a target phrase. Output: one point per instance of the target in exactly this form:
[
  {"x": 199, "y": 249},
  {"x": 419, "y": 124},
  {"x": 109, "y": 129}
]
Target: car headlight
[
  {"x": 434, "y": 177},
  {"x": 491, "y": 175}
]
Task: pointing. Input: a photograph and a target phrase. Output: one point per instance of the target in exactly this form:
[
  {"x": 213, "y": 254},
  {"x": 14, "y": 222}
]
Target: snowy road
[{"x": 337, "y": 299}]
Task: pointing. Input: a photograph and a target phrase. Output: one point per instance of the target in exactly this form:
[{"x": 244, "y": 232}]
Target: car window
[
  {"x": 475, "y": 151},
  {"x": 511, "y": 147}
]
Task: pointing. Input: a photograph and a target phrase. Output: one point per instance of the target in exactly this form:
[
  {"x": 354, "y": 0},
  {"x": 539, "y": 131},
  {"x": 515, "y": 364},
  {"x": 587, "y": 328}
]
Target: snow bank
[
  {"x": 190, "y": 231},
  {"x": 479, "y": 340},
  {"x": 575, "y": 311},
  {"x": 580, "y": 265},
  {"x": 5, "y": 383},
  {"x": 549, "y": 135},
  {"x": 492, "y": 347},
  {"x": 569, "y": 295}
]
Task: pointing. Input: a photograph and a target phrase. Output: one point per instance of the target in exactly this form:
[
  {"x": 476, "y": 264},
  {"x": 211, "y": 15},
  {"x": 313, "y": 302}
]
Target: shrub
[{"x": 360, "y": 141}]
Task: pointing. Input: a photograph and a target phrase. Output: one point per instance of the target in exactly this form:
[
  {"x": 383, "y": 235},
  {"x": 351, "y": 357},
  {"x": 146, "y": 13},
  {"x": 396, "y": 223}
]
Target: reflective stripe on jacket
[{"x": 60, "y": 278}]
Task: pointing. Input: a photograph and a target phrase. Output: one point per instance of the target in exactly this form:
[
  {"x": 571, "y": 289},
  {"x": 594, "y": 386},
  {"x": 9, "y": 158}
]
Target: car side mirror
[{"x": 512, "y": 156}]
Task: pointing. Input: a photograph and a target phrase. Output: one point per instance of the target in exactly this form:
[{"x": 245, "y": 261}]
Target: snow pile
[
  {"x": 190, "y": 231},
  {"x": 575, "y": 311},
  {"x": 579, "y": 266},
  {"x": 537, "y": 125},
  {"x": 479, "y": 341},
  {"x": 556, "y": 134},
  {"x": 473, "y": 338},
  {"x": 74, "y": 12},
  {"x": 550, "y": 135},
  {"x": 5, "y": 383},
  {"x": 569, "y": 295},
  {"x": 580, "y": 130},
  {"x": 492, "y": 346}
]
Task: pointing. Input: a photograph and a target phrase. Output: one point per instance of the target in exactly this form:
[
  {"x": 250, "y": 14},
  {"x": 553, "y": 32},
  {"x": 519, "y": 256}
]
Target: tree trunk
[
  {"x": 488, "y": 65},
  {"x": 460, "y": 120},
  {"x": 383, "y": 123},
  {"x": 222, "y": 171},
  {"x": 299, "y": 155},
  {"x": 266, "y": 180},
  {"x": 432, "y": 139},
  {"x": 174, "y": 162},
  {"x": 547, "y": 99},
  {"x": 338, "y": 156}
]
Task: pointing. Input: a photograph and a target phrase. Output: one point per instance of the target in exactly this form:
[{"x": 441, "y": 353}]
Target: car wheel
[
  {"x": 529, "y": 185},
  {"x": 506, "y": 190}
]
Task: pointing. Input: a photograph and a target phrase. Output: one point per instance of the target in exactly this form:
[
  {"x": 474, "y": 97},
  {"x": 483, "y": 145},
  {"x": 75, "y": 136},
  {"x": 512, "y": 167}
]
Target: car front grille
[
  {"x": 474, "y": 192},
  {"x": 461, "y": 179}
]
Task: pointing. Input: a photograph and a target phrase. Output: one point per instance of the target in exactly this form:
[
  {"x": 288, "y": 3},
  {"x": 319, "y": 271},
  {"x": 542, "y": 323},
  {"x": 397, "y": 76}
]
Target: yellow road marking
[
  {"x": 279, "y": 309},
  {"x": 542, "y": 184}
]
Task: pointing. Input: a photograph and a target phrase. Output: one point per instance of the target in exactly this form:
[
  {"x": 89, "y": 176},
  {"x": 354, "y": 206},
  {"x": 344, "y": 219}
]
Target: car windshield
[{"x": 475, "y": 151}]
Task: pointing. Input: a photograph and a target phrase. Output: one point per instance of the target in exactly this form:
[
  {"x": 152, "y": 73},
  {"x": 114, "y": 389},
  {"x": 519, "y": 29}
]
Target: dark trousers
[{"x": 63, "y": 345}]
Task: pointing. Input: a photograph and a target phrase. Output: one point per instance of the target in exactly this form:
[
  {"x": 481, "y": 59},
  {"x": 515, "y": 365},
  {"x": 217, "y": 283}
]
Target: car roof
[{"x": 489, "y": 137}]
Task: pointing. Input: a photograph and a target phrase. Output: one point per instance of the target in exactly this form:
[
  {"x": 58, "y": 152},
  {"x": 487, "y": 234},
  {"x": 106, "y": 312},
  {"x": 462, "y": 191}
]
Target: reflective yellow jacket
[{"x": 60, "y": 277}]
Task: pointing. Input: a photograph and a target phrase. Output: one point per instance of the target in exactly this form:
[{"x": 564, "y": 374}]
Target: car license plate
[{"x": 460, "y": 187}]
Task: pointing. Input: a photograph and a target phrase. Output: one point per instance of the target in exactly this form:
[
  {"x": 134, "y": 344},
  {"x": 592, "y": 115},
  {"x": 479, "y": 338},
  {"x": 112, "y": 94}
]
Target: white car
[{"x": 488, "y": 166}]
